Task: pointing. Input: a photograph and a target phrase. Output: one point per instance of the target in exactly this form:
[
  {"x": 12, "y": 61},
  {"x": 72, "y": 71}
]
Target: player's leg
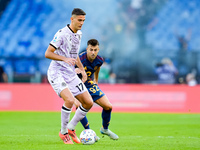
[
  {"x": 86, "y": 103},
  {"x": 80, "y": 113},
  {"x": 84, "y": 121},
  {"x": 101, "y": 99},
  {"x": 68, "y": 98},
  {"x": 106, "y": 112},
  {"x": 63, "y": 91},
  {"x": 80, "y": 92},
  {"x": 106, "y": 116},
  {"x": 65, "y": 114}
]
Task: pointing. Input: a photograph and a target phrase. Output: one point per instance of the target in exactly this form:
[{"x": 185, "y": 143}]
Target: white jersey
[{"x": 67, "y": 44}]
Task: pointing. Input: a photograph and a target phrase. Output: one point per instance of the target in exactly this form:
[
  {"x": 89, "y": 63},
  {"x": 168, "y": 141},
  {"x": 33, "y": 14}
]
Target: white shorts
[{"x": 58, "y": 83}]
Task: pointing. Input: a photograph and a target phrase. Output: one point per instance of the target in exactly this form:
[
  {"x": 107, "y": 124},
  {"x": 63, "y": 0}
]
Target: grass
[{"x": 137, "y": 131}]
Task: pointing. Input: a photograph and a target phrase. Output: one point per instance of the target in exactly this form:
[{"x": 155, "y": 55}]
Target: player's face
[
  {"x": 77, "y": 22},
  {"x": 92, "y": 52}
]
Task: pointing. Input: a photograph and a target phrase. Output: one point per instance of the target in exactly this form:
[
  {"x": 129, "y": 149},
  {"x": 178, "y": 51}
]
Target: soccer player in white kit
[{"x": 63, "y": 50}]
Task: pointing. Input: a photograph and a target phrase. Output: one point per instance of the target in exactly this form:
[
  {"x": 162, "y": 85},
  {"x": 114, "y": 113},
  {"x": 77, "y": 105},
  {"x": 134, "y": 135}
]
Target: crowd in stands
[{"x": 140, "y": 31}]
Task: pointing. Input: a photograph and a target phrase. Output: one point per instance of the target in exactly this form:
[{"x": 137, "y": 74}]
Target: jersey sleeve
[
  {"x": 101, "y": 60},
  {"x": 57, "y": 40}
]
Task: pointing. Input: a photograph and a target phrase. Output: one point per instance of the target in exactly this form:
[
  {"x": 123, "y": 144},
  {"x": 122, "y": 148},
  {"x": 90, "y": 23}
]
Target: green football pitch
[{"x": 137, "y": 131}]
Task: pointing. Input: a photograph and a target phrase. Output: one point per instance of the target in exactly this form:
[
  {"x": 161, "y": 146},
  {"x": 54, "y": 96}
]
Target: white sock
[
  {"x": 65, "y": 116},
  {"x": 79, "y": 115}
]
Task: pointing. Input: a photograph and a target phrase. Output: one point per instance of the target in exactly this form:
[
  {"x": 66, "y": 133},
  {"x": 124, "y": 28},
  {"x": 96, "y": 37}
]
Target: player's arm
[
  {"x": 51, "y": 55},
  {"x": 80, "y": 66},
  {"x": 96, "y": 76}
]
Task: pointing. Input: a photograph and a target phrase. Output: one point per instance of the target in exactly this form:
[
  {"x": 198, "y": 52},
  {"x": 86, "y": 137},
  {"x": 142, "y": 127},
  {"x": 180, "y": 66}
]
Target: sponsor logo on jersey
[{"x": 55, "y": 39}]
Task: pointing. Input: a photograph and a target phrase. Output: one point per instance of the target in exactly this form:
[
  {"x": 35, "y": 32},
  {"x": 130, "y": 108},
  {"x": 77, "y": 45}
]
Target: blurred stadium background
[{"x": 134, "y": 35}]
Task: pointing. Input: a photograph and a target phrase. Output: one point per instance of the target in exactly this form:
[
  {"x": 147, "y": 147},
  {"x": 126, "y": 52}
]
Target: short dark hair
[
  {"x": 93, "y": 42},
  {"x": 78, "y": 11}
]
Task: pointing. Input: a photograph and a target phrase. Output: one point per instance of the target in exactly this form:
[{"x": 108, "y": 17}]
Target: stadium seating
[
  {"x": 27, "y": 27},
  {"x": 176, "y": 17},
  {"x": 24, "y": 26}
]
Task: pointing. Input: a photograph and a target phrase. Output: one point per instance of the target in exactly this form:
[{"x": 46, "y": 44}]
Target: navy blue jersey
[{"x": 90, "y": 68}]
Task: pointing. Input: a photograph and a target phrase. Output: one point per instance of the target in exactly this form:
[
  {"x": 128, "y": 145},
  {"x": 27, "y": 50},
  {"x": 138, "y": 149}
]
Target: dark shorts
[{"x": 95, "y": 91}]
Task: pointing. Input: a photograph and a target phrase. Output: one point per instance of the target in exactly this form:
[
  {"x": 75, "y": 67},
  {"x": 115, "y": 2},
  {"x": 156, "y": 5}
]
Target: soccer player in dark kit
[{"x": 92, "y": 63}]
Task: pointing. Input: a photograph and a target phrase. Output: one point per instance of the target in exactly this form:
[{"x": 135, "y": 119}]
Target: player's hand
[
  {"x": 78, "y": 71},
  {"x": 84, "y": 76},
  {"x": 70, "y": 61}
]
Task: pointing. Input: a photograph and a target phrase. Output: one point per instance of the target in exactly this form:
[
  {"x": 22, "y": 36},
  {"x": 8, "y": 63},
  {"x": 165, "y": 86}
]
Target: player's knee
[
  {"x": 68, "y": 101},
  {"x": 71, "y": 101},
  {"x": 108, "y": 107},
  {"x": 88, "y": 105}
]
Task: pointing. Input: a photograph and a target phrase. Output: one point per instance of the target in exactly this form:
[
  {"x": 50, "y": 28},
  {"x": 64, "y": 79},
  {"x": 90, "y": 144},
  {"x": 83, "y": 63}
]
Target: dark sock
[
  {"x": 85, "y": 123},
  {"x": 106, "y": 116}
]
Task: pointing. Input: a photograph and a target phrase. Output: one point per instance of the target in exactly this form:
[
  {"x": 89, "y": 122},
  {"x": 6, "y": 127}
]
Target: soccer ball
[{"x": 87, "y": 137}]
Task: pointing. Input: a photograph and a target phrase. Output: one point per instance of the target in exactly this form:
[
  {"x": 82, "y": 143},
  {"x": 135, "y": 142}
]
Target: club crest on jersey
[
  {"x": 64, "y": 84},
  {"x": 95, "y": 68}
]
